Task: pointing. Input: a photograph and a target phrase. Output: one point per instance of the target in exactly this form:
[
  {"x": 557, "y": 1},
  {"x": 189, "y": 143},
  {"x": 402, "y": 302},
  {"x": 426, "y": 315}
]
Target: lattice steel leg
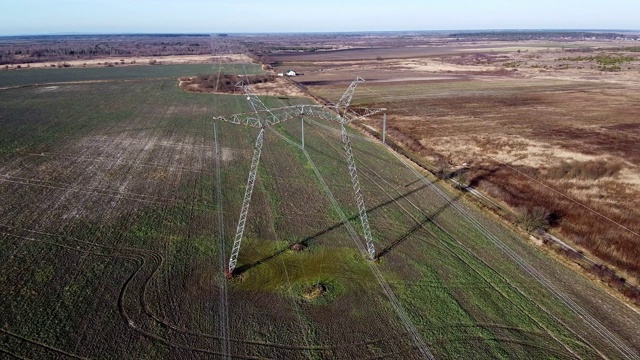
[
  {"x": 358, "y": 194},
  {"x": 302, "y": 124},
  {"x": 384, "y": 128},
  {"x": 245, "y": 203}
]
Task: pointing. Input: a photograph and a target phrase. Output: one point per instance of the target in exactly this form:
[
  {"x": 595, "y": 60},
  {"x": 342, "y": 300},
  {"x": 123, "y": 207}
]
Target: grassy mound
[{"x": 313, "y": 292}]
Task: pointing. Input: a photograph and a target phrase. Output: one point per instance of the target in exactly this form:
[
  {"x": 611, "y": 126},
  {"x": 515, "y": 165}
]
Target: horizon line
[{"x": 320, "y": 32}]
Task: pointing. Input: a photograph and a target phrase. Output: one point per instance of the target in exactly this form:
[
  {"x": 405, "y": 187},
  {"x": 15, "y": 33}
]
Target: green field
[
  {"x": 119, "y": 206},
  {"x": 48, "y": 76}
]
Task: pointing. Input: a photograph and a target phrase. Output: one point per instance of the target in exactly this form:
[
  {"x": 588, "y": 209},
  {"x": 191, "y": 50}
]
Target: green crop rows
[{"x": 46, "y": 76}]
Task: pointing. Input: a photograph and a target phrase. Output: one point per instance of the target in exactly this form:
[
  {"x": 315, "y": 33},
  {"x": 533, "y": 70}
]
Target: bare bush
[
  {"x": 633, "y": 293},
  {"x": 602, "y": 272},
  {"x": 443, "y": 168},
  {"x": 570, "y": 254},
  {"x": 533, "y": 219},
  {"x": 222, "y": 83},
  {"x": 462, "y": 179},
  {"x": 403, "y": 138}
]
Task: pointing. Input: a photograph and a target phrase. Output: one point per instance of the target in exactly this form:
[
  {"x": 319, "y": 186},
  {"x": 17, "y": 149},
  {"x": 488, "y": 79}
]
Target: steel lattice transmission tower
[
  {"x": 342, "y": 108},
  {"x": 362, "y": 209},
  {"x": 262, "y": 117},
  {"x": 344, "y": 116}
]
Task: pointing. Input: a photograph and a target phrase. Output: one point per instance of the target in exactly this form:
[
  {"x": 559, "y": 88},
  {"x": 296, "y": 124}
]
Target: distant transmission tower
[{"x": 263, "y": 117}]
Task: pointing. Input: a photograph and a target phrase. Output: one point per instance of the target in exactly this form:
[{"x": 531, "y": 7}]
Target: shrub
[
  {"x": 603, "y": 273},
  {"x": 443, "y": 168},
  {"x": 226, "y": 83},
  {"x": 570, "y": 254},
  {"x": 462, "y": 179},
  {"x": 533, "y": 219}
]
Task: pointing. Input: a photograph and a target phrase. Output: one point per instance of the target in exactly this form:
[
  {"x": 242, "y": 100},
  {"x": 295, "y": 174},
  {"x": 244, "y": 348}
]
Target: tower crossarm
[
  {"x": 329, "y": 114},
  {"x": 361, "y": 113},
  {"x": 320, "y": 112},
  {"x": 262, "y": 118},
  {"x": 242, "y": 119},
  {"x": 260, "y": 110},
  {"x": 345, "y": 100}
]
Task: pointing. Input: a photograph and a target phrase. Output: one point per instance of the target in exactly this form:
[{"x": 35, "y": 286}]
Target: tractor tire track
[
  {"x": 456, "y": 255},
  {"x": 112, "y": 159},
  {"x": 223, "y": 297},
  {"x": 39, "y": 344},
  {"x": 148, "y": 199},
  {"x": 153, "y": 261},
  {"x": 461, "y": 247},
  {"x": 611, "y": 338},
  {"x": 12, "y": 355},
  {"x": 421, "y": 345}
]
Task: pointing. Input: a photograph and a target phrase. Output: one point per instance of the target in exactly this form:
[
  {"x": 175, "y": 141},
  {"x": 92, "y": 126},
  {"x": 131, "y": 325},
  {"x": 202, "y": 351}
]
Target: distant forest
[
  {"x": 60, "y": 48},
  {"x": 543, "y": 35},
  {"x": 31, "y": 49}
]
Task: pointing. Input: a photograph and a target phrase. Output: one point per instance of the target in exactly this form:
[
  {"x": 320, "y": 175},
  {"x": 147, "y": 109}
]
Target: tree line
[{"x": 18, "y": 50}]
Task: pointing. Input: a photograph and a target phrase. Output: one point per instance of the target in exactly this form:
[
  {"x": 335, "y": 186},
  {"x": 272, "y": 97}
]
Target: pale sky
[{"x": 27, "y": 17}]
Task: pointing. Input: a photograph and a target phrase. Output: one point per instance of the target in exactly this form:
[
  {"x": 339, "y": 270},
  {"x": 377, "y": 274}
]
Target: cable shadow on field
[
  {"x": 412, "y": 183},
  {"x": 309, "y": 240},
  {"x": 356, "y": 143},
  {"x": 418, "y": 226}
]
